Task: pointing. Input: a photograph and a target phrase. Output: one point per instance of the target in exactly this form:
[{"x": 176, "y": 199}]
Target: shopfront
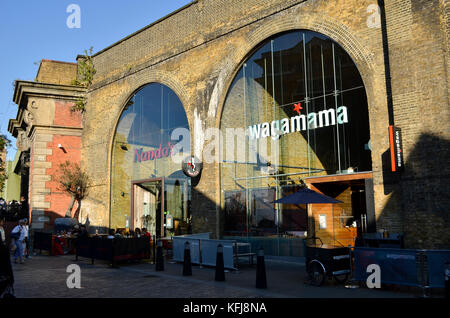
[
  {"x": 149, "y": 190},
  {"x": 302, "y": 103}
]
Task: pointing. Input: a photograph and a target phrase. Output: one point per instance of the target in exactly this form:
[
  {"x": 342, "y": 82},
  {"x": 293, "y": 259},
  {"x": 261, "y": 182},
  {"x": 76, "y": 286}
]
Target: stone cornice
[
  {"x": 25, "y": 89},
  {"x": 13, "y": 126},
  {"x": 57, "y": 130}
]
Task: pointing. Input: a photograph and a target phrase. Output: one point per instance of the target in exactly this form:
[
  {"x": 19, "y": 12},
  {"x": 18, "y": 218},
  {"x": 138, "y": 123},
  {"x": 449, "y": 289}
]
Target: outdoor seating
[{"x": 113, "y": 250}]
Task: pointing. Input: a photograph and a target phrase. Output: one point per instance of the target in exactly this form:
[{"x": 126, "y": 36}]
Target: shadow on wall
[{"x": 422, "y": 193}]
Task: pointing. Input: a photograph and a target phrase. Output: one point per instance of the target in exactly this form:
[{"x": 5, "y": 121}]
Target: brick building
[
  {"x": 48, "y": 134},
  {"x": 350, "y": 70}
]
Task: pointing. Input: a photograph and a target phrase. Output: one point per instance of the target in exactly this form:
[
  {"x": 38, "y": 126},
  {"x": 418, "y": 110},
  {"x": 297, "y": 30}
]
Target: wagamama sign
[{"x": 301, "y": 122}]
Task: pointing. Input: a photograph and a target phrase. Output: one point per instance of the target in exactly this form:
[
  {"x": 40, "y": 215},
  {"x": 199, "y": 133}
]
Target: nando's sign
[
  {"x": 161, "y": 152},
  {"x": 301, "y": 122}
]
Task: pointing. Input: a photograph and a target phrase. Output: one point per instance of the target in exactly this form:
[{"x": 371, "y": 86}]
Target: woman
[{"x": 19, "y": 233}]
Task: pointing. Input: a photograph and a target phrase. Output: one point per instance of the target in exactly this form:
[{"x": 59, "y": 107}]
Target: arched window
[
  {"x": 301, "y": 103},
  {"x": 147, "y": 184}
]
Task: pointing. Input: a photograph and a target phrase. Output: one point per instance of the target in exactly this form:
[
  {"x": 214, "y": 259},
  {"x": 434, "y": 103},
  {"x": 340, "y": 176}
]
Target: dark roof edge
[{"x": 147, "y": 27}]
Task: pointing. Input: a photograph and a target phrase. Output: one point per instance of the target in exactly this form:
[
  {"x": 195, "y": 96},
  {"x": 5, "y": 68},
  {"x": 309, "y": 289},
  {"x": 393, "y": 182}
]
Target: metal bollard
[
  {"x": 261, "y": 281},
  {"x": 187, "y": 266},
  {"x": 159, "y": 257},
  {"x": 220, "y": 268}
]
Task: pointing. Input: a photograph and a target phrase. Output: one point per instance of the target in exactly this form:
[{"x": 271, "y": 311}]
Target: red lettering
[
  {"x": 137, "y": 155},
  {"x": 157, "y": 156},
  {"x": 161, "y": 152},
  {"x": 171, "y": 149}
]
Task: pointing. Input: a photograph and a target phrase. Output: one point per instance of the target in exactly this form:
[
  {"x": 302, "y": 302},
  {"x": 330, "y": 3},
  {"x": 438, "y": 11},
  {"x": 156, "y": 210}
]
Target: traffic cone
[
  {"x": 187, "y": 266},
  {"x": 220, "y": 269},
  {"x": 261, "y": 281},
  {"x": 159, "y": 257}
]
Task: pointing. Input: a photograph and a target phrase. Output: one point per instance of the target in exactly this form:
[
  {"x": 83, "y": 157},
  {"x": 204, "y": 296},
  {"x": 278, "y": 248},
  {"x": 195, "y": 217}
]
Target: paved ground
[{"x": 45, "y": 276}]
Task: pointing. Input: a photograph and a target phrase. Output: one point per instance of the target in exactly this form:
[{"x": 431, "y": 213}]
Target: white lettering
[
  {"x": 74, "y": 279},
  {"x": 254, "y": 131},
  {"x": 296, "y": 125},
  {"x": 374, "y": 279},
  {"x": 74, "y": 20},
  {"x": 342, "y": 117},
  {"x": 325, "y": 115}
]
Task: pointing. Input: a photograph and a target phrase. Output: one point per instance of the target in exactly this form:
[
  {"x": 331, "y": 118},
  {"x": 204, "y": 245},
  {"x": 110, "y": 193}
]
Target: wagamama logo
[{"x": 301, "y": 122}]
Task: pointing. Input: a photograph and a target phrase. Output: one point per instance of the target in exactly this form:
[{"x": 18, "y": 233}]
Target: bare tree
[{"x": 75, "y": 182}]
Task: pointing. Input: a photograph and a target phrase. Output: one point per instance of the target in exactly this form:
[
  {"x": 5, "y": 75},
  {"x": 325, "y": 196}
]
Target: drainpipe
[{"x": 387, "y": 65}]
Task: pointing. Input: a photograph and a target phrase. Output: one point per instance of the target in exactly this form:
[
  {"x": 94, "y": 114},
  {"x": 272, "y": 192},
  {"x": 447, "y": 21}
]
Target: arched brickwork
[
  {"x": 312, "y": 21},
  {"x": 135, "y": 83}
]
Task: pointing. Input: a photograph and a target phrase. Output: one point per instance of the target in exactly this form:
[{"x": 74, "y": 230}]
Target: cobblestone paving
[{"x": 44, "y": 276}]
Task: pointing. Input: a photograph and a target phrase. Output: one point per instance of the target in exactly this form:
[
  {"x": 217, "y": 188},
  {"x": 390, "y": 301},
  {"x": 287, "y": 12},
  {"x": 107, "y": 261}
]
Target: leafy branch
[{"x": 86, "y": 72}]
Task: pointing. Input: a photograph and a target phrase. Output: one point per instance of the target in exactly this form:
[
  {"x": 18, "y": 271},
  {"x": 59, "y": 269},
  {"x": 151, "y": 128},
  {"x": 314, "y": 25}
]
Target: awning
[{"x": 307, "y": 196}]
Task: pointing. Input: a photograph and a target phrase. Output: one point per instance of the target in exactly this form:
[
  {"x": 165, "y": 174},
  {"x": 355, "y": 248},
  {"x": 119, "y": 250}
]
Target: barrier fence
[
  {"x": 409, "y": 267},
  {"x": 204, "y": 250}
]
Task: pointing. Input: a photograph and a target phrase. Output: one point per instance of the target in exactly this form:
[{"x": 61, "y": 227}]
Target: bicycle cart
[{"x": 326, "y": 261}]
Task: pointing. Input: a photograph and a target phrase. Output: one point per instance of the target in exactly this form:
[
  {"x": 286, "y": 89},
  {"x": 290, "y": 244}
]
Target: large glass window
[
  {"x": 302, "y": 104},
  {"x": 143, "y": 157}
]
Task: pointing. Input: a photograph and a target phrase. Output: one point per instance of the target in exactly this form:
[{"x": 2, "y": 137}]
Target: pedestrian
[
  {"x": 24, "y": 208},
  {"x": 3, "y": 207},
  {"x": 19, "y": 234},
  {"x": 6, "y": 273},
  {"x": 2, "y": 232},
  {"x": 137, "y": 232},
  {"x": 27, "y": 239}
]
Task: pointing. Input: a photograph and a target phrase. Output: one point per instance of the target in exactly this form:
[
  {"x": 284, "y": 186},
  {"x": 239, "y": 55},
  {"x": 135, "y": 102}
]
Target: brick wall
[
  {"x": 56, "y": 72},
  {"x": 197, "y": 51},
  {"x": 59, "y": 200}
]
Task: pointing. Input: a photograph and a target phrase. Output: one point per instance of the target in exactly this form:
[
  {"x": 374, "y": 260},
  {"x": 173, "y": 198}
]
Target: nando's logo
[
  {"x": 301, "y": 122},
  {"x": 161, "y": 152}
]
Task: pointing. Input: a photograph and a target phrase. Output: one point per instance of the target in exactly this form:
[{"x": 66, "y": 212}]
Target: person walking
[
  {"x": 24, "y": 208},
  {"x": 19, "y": 234},
  {"x": 6, "y": 273},
  {"x": 27, "y": 241}
]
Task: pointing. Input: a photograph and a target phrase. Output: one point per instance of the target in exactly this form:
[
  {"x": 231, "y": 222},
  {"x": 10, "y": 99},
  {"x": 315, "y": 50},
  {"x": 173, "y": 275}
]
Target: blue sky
[{"x": 35, "y": 30}]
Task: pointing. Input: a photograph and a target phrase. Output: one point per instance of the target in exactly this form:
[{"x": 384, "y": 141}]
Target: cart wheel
[
  {"x": 316, "y": 274},
  {"x": 341, "y": 278}
]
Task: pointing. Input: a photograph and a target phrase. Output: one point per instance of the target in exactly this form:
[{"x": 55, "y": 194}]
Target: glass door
[{"x": 148, "y": 206}]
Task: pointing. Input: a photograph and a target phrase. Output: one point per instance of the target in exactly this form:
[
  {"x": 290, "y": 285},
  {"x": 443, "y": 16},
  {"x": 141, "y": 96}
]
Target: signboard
[
  {"x": 322, "y": 221},
  {"x": 300, "y": 122},
  {"x": 396, "y": 149}
]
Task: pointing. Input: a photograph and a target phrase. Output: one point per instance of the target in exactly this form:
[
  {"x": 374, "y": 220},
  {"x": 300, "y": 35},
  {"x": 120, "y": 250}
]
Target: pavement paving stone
[{"x": 45, "y": 277}]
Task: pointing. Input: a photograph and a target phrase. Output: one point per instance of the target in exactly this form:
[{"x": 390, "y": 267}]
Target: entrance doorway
[
  {"x": 148, "y": 206},
  {"x": 342, "y": 224},
  {"x": 162, "y": 206}
]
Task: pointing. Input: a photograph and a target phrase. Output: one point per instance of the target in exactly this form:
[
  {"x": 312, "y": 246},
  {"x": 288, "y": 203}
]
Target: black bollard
[
  {"x": 220, "y": 269},
  {"x": 159, "y": 257},
  {"x": 187, "y": 266},
  {"x": 261, "y": 281}
]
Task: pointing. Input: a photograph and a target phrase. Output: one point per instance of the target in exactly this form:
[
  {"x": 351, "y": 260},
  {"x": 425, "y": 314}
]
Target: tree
[
  {"x": 74, "y": 181},
  {"x": 4, "y": 143}
]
